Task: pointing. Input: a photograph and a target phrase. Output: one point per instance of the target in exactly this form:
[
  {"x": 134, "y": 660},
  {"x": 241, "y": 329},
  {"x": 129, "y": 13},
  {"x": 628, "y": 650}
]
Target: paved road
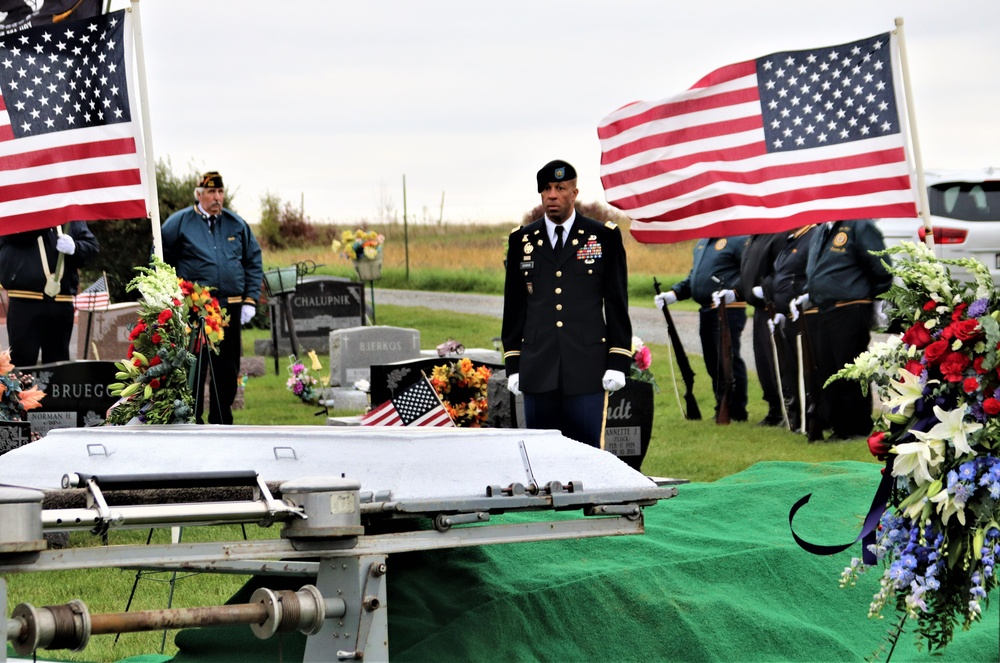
[{"x": 647, "y": 323}]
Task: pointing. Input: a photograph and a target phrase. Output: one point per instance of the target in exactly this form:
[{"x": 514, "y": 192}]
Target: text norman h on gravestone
[{"x": 355, "y": 350}]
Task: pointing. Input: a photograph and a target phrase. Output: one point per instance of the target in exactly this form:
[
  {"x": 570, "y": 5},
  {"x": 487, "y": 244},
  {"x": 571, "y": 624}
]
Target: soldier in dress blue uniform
[
  {"x": 714, "y": 276},
  {"x": 566, "y": 333}
]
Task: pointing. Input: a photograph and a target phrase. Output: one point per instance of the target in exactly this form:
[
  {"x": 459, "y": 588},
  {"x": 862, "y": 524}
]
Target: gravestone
[
  {"x": 388, "y": 379},
  {"x": 355, "y": 350},
  {"x": 14, "y": 434},
  {"x": 109, "y": 330},
  {"x": 76, "y": 394},
  {"x": 627, "y": 429},
  {"x": 319, "y": 306}
]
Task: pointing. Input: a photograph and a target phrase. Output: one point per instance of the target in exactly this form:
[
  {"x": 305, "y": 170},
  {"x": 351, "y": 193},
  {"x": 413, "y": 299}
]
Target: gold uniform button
[
  {"x": 590, "y": 271},
  {"x": 559, "y": 323},
  {"x": 558, "y": 307},
  {"x": 558, "y": 291},
  {"x": 559, "y": 273}
]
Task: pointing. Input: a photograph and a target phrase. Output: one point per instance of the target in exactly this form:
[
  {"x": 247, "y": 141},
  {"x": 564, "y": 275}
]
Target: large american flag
[
  {"x": 417, "y": 405},
  {"x": 765, "y": 145},
  {"x": 70, "y": 143}
]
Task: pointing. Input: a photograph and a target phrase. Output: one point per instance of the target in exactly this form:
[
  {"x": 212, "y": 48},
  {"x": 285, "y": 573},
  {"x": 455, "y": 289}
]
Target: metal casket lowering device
[{"x": 336, "y": 489}]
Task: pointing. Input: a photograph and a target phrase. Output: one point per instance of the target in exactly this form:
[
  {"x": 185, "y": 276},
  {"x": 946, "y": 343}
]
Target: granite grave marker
[{"x": 76, "y": 394}]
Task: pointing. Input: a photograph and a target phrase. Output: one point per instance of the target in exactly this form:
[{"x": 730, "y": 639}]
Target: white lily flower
[
  {"x": 915, "y": 459},
  {"x": 951, "y": 427},
  {"x": 906, "y": 392}
]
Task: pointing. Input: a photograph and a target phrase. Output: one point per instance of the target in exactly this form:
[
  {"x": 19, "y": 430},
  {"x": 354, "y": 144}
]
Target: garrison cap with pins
[
  {"x": 555, "y": 171},
  {"x": 211, "y": 180}
]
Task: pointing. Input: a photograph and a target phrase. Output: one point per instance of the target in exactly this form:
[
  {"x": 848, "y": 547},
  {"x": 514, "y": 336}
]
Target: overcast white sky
[{"x": 337, "y": 101}]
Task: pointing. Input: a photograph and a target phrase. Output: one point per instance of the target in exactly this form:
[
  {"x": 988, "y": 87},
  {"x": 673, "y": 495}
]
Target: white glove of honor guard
[
  {"x": 729, "y": 296},
  {"x": 758, "y": 292},
  {"x": 247, "y": 313},
  {"x": 775, "y": 322},
  {"x": 798, "y": 304},
  {"x": 665, "y": 299},
  {"x": 613, "y": 380},
  {"x": 66, "y": 244},
  {"x": 514, "y": 384},
  {"x": 881, "y": 319}
]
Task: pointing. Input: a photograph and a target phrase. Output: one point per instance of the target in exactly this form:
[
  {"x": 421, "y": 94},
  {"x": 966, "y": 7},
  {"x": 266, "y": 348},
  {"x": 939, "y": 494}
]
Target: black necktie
[
  {"x": 211, "y": 223},
  {"x": 559, "y": 239}
]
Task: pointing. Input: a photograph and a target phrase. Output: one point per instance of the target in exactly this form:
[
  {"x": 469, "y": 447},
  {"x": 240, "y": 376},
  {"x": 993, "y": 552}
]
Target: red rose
[
  {"x": 952, "y": 366},
  {"x": 917, "y": 335},
  {"x": 966, "y": 330},
  {"x": 165, "y": 316},
  {"x": 914, "y": 367},
  {"x": 930, "y": 306},
  {"x": 877, "y": 445},
  {"x": 156, "y": 360},
  {"x": 138, "y": 329},
  {"x": 156, "y": 338},
  {"x": 155, "y": 383},
  {"x": 175, "y": 301},
  {"x": 969, "y": 385},
  {"x": 934, "y": 351},
  {"x": 991, "y": 406}
]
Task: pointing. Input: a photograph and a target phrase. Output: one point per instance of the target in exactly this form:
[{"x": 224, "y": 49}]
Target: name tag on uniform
[{"x": 529, "y": 264}]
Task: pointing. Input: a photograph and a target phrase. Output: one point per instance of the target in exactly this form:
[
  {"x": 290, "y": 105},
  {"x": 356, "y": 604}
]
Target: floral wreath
[
  {"x": 939, "y": 432},
  {"x": 154, "y": 378},
  {"x": 462, "y": 388}
]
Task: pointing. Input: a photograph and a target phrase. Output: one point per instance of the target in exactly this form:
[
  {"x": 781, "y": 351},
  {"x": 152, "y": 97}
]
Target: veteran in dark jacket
[
  {"x": 214, "y": 247},
  {"x": 714, "y": 276},
  {"x": 566, "y": 333},
  {"x": 39, "y": 270}
]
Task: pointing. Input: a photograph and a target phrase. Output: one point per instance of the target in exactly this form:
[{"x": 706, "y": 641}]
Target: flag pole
[
  {"x": 914, "y": 143},
  {"x": 152, "y": 197}
]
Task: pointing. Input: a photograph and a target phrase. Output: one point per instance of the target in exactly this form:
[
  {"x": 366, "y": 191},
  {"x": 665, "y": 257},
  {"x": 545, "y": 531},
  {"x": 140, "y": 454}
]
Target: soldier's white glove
[
  {"x": 613, "y": 380},
  {"x": 798, "y": 304},
  {"x": 665, "y": 299},
  {"x": 775, "y": 322},
  {"x": 247, "y": 313},
  {"x": 66, "y": 244},
  {"x": 758, "y": 292},
  {"x": 514, "y": 384},
  {"x": 729, "y": 296},
  {"x": 881, "y": 319}
]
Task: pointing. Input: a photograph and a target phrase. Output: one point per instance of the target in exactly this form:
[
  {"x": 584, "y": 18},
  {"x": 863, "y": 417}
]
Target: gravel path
[{"x": 647, "y": 323}]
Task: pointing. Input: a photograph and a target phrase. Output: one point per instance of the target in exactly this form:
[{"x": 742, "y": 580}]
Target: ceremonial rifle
[
  {"x": 687, "y": 374},
  {"x": 725, "y": 380},
  {"x": 811, "y": 423},
  {"x": 769, "y": 308}
]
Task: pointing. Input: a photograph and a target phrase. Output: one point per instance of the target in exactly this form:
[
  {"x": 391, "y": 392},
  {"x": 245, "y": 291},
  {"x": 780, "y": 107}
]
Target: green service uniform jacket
[
  {"x": 565, "y": 317},
  {"x": 841, "y": 267}
]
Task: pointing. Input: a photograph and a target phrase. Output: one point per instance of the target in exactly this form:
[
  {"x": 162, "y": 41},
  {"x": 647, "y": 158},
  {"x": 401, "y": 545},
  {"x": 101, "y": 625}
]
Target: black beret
[
  {"x": 211, "y": 180},
  {"x": 555, "y": 171}
]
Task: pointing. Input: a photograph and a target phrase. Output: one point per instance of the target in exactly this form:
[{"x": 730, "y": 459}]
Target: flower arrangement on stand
[
  {"x": 462, "y": 388},
  {"x": 17, "y": 393},
  {"x": 154, "y": 386},
  {"x": 939, "y": 430},
  {"x": 300, "y": 382},
  {"x": 642, "y": 359}
]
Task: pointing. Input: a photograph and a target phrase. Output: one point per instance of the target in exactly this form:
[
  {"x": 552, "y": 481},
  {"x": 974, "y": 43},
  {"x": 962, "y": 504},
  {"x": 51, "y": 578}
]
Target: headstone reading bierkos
[
  {"x": 355, "y": 350},
  {"x": 76, "y": 394}
]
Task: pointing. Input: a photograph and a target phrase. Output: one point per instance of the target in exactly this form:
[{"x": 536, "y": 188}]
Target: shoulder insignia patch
[
  {"x": 516, "y": 228},
  {"x": 611, "y": 225}
]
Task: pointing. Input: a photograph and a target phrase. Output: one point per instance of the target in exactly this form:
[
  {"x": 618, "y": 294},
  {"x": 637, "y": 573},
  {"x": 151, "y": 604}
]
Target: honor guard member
[
  {"x": 714, "y": 277},
  {"x": 39, "y": 270},
  {"x": 788, "y": 282},
  {"x": 566, "y": 333},
  {"x": 843, "y": 279},
  {"x": 756, "y": 273},
  {"x": 214, "y": 247}
]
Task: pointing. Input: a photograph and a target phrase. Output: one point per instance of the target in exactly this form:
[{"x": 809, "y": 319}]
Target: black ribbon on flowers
[{"x": 867, "y": 534}]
